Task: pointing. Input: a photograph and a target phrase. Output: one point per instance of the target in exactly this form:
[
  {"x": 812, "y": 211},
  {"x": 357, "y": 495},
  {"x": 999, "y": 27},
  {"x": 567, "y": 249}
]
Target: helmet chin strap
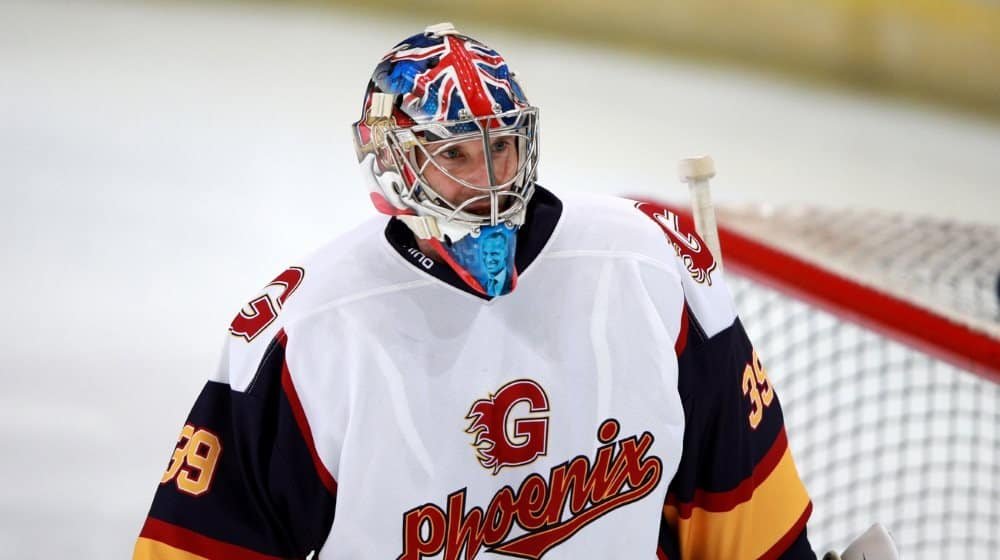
[
  {"x": 431, "y": 227},
  {"x": 424, "y": 227}
]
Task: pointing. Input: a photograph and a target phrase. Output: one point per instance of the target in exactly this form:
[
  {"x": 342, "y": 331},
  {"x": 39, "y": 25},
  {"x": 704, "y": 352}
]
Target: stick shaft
[
  {"x": 696, "y": 172},
  {"x": 704, "y": 218}
]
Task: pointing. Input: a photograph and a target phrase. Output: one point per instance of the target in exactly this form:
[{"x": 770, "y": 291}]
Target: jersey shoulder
[
  {"x": 348, "y": 267},
  {"x": 611, "y": 224},
  {"x": 655, "y": 234}
]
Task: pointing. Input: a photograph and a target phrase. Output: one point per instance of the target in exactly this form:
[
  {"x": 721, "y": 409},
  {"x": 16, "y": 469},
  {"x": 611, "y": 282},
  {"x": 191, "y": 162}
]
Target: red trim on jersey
[
  {"x": 726, "y": 501},
  {"x": 466, "y": 277},
  {"x": 660, "y": 555},
  {"x": 300, "y": 418},
  {"x": 894, "y": 317},
  {"x": 786, "y": 541},
  {"x": 196, "y": 543},
  {"x": 682, "y": 335}
]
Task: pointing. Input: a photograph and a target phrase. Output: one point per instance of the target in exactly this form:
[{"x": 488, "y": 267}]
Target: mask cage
[{"x": 508, "y": 199}]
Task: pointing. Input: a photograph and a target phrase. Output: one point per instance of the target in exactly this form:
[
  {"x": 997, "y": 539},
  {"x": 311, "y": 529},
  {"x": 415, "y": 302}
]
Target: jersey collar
[{"x": 543, "y": 214}]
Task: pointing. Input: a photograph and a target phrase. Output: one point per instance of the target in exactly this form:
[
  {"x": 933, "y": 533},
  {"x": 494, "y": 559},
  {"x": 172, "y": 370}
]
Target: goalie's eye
[
  {"x": 451, "y": 153},
  {"x": 500, "y": 146}
]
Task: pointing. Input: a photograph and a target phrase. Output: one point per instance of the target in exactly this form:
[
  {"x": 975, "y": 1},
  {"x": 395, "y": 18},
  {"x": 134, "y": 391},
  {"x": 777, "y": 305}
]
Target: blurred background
[{"x": 162, "y": 161}]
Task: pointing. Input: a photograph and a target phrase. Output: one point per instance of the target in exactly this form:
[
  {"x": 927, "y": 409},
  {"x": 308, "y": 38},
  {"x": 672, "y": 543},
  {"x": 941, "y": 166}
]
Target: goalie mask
[{"x": 436, "y": 97}]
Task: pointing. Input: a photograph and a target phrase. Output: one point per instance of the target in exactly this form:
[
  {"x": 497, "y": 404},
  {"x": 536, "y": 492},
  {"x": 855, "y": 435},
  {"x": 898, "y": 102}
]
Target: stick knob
[{"x": 696, "y": 169}]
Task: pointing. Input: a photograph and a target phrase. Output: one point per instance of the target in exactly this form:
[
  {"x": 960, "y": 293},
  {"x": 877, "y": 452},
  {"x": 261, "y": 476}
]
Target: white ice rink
[{"x": 159, "y": 163}]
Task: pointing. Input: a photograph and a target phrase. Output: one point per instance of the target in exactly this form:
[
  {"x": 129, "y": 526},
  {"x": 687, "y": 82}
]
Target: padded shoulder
[
  {"x": 654, "y": 233},
  {"x": 349, "y": 267}
]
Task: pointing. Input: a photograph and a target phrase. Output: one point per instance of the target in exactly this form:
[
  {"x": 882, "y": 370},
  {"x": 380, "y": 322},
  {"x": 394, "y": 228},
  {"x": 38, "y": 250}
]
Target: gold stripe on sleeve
[
  {"x": 752, "y": 528},
  {"x": 148, "y": 549}
]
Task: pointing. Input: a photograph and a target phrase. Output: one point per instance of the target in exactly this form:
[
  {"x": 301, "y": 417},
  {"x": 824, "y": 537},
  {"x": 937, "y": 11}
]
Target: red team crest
[
  {"x": 688, "y": 245},
  {"x": 502, "y": 438},
  {"x": 263, "y": 310}
]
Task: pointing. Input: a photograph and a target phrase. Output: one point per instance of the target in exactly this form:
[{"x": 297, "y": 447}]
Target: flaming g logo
[
  {"x": 504, "y": 441},
  {"x": 548, "y": 509}
]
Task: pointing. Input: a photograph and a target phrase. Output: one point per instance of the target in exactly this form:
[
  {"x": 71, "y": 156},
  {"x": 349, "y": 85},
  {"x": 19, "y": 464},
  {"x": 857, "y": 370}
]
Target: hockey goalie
[{"x": 488, "y": 369}]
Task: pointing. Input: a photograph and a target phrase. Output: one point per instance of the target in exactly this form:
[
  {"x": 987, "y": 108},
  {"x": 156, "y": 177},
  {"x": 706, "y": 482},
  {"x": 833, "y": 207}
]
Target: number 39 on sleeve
[
  {"x": 758, "y": 388},
  {"x": 193, "y": 462}
]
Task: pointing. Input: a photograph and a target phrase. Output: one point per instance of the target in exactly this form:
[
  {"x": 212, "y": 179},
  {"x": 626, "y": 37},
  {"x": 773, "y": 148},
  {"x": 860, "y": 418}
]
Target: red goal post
[{"x": 882, "y": 334}]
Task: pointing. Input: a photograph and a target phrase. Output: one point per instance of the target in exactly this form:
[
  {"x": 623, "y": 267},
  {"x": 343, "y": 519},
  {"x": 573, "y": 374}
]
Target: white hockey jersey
[{"x": 366, "y": 407}]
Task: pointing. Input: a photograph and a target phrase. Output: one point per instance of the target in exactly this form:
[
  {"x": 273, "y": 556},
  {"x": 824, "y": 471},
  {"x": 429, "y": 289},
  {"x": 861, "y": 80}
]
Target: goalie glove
[{"x": 874, "y": 544}]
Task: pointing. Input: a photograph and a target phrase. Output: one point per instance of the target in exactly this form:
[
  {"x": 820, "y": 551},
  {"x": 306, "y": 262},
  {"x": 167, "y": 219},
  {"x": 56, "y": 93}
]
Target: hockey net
[{"x": 882, "y": 336}]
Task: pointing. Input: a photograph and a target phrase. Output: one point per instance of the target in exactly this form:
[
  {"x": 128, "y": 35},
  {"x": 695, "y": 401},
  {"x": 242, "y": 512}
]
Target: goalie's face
[{"x": 464, "y": 173}]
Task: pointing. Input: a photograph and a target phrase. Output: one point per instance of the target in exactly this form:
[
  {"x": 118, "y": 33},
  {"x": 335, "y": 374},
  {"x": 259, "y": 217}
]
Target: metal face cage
[{"x": 508, "y": 196}]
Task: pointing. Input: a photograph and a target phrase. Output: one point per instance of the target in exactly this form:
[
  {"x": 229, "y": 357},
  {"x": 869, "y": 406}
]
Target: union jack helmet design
[{"x": 430, "y": 92}]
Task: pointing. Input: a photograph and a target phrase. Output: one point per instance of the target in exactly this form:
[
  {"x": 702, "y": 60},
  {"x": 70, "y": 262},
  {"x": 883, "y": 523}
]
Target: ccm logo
[{"x": 510, "y": 426}]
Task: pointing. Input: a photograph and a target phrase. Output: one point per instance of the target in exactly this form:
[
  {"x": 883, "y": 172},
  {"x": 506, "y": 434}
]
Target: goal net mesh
[{"x": 881, "y": 430}]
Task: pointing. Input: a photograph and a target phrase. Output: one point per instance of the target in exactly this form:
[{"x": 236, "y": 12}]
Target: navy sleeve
[
  {"x": 737, "y": 493},
  {"x": 244, "y": 480}
]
